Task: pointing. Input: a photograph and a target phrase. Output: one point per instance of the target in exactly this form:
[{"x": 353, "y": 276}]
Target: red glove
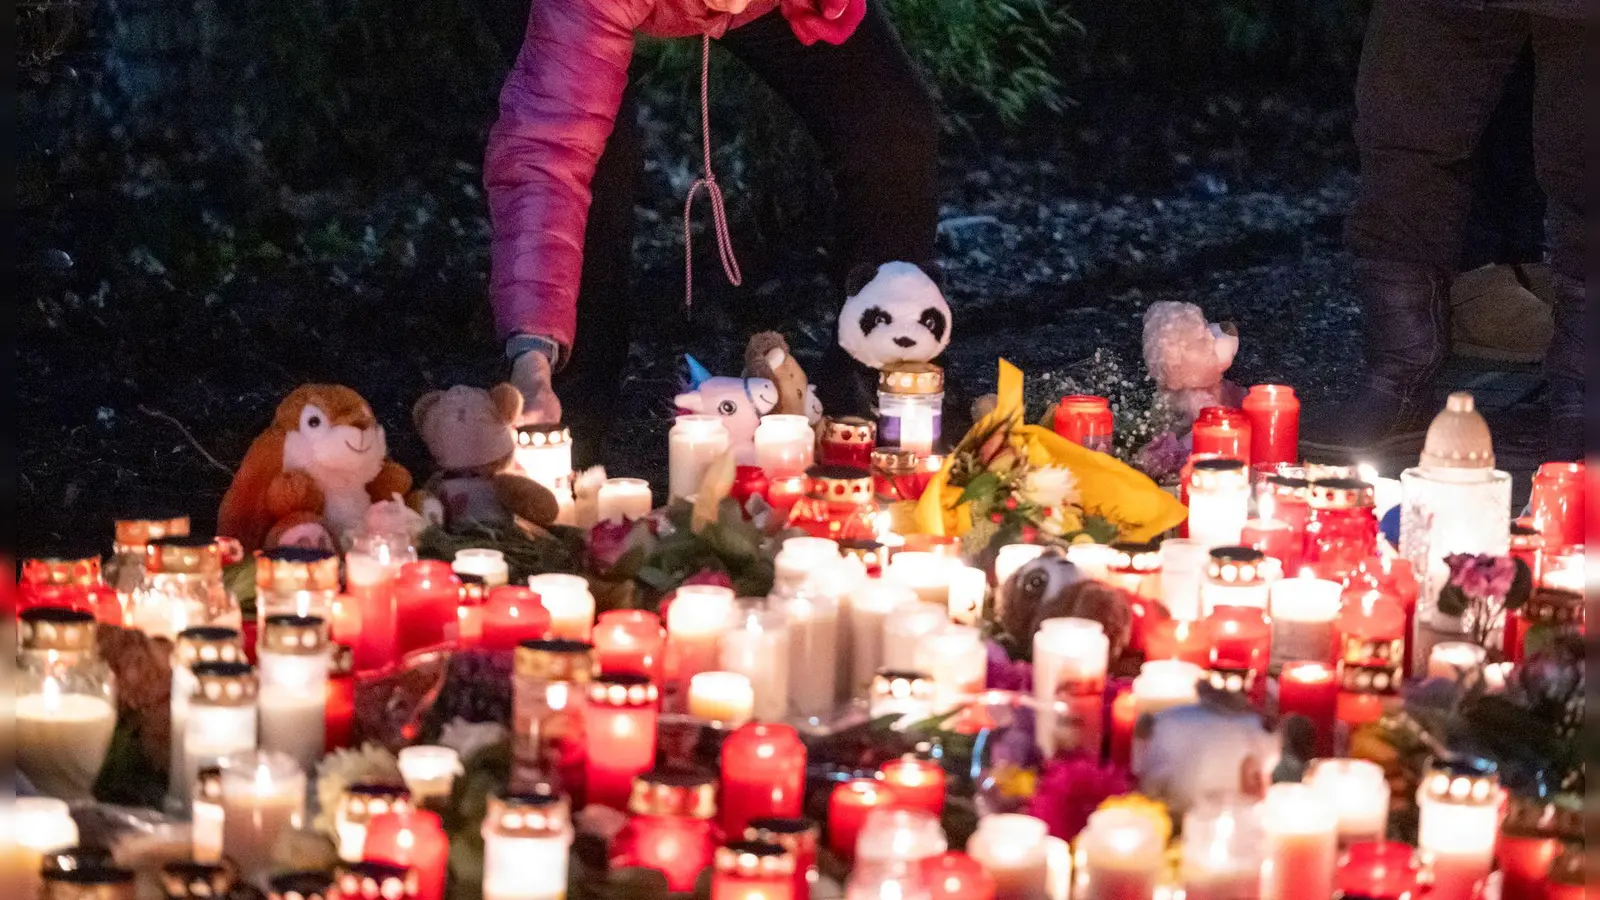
[{"x": 829, "y": 21}]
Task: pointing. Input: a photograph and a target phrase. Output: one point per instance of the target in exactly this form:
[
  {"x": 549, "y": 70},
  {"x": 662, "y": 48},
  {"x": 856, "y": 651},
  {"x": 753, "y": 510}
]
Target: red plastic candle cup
[
  {"x": 671, "y": 829},
  {"x": 1530, "y": 841},
  {"x": 1286, "y": 498},
  {"x": 344, "y": 622},
  {"x": 957, "y": 876},
  {"x": 1241, "y": 638},
  {"x": 1312, "y": 690},
  {"x": 1222, "y": 431},
  {"x": 796, "y": 835},
  {"x": 469, "y": 612},
  {"x": 848, "y": 806},
  {"x": 512, "y": 615},
  {"x": 1179, "y": 639},
  {"x": 753, "y": 870},
  {"x": 748, "y": 481},
  {"x": 1274, "y": 413},
  {"x": 620, "y": 736},
  {"x": 1381, "y": 870},
  {"x": 1342, "y": 532},
  {"x": 1275, "y": 539},
  {"x": 426, "y": 593},
  {"x": 339, "y": 710},
  {"x": 1124, "y": 715},
  {"x": 630, "y": 642},
  {"x": 763, "y": 775},
  {"x": 915, "y": 783},
  {"x": 1086, "y": 420},
  {"x": 1557, "y": 504},
  {"x": 848, "y": 441},
  {"x": 413, "y": 838}
]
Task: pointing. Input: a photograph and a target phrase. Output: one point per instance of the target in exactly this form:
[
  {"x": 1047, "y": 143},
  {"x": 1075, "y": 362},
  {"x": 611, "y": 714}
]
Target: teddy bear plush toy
[
  {"x": 1187, "y": 357},
  {"x": 471, "y": 435},
  {"x": 313, "y": 475},
  {"x": 893, "y": 313}
]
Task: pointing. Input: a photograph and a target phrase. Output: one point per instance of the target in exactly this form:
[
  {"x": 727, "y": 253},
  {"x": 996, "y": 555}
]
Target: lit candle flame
[{"x": 51, "y": 692}]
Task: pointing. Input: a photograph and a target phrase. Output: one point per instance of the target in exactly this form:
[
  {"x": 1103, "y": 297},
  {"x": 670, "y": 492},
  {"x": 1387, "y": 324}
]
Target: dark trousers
[
  {"x": 1432, "y": 73},
  {"x": 1506, "y": 225},
  {"x": 869, "y": 112}
]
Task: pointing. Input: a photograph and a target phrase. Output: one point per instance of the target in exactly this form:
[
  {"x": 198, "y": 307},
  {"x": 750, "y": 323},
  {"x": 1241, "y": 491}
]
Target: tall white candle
[
  {"x": 544, "y": 453},
  {"x": 955, "y": 658},
  {"x": 222, "y": 717},
  {"x": 696, "y": 619},
  {"x": 429, "y": 771},
  {"x": 1302, "y": 846},
  {"x": 1303, "y": 612},
  {"x": 568, "y": 601},
  {"x": 724, "y": 697},
  {"x": 813, "y": 619},
  {"x": 968, "y": 587},
  {"x": 1459, "y": 822},
  {"x": 904, "y": 629},
  {"x": 526, "y": 839},
  {"x": 1222, "y": 851},
  {"x": 1455, "y": 659},
  {"x": 263, "y": 793},
  {"x": 757, "y": 647},
  {"x": 1358, "y": 792},
  {"x": 870, "y": 606},
  {"x": 1070, "y": 656},
  {"x": 62, "y": 738},
  {"x": 1014, "y": 850},
  {"x": 1119, "y": 857},
  {"x": 293, "y": 669},
  {"x": 489, "y": 565},
  {"x": 1238, "y": 576},
  {"x": 693, "y": 444},
  {"x": 1219, "y": 501},
  {"x": 928, "y": 574},
  {"x": 624, "y": 499},
  {"x": 1183, "y": 571},
  {"x": 30, "y": 827},
  {"x": 785, "y": 445}
]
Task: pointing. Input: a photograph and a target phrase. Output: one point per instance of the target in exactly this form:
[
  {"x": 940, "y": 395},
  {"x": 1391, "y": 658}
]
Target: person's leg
[
  {"x": 1506, "y": 224},
  {"x": 590, "y": 384},
  {"x": 1431, "y": 73},
  {"x": 1560, "y": 96}
]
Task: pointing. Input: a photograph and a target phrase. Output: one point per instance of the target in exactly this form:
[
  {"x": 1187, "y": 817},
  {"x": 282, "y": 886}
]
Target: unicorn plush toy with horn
[{"x": 741, "y": 402}]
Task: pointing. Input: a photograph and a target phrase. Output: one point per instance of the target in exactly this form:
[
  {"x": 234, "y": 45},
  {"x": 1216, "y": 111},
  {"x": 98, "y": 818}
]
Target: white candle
[
  {"x": 928, "y": 574},
  {"x": 1302, "y": 846},
  {"x": 693, "y": 444},
  {"x": 955, "y": 658},
  {"x": 30, "y": 827},
  {"x": 263, "y": 793},
  {"x": 1093, "y": 560},
  {"x": 526, "y": 839},
  {"x": 1166, "y": 683},
  {"x": 544, "y": 454},
  {"x": 1120, "y": 857},
  {"x": 797, "y": 559},
  {"x": 293, "y": 670},
  {"x": 899, "y": 835},
  {"x": 489, "y": 565},
  {"x": 1014, "y": 850},
  {"x": 1222, "y": 852},
  {"x": 813, "y": 619},
  {"x": 904, "y": 628},
  {"x": 757, "y": 647},
  {"x": 724, "y": 697},
  {"x": 908, "y": 695},
  {"x": 968, "y": 587},
  {"x": 1183, "y": 571},
  {"x": 696, "y": 619},
  {"x": 62, "y": 738},
  {"x": 1358, "y": 792},
  {"x": 429, "y": 771},
  {"x": 195, "y": 645},
  {"x": 1219, "y": 501},
  {"x": 1070, "y": 657},
  {"x": 1455, "y": 659},
  {"x": 1303, "y": 612},
  {"x": 870, "y": 605},
  {"x": 1459, "y": 822},
  {"x": 785, "y": 445},
  {"x": 1238, "y": 576},
  {"x": 1008, "y": 560},
  {"x": 568, "y": 601},
  {"x": 624, "y": 499},
  {"x": 205, "y": 815}
]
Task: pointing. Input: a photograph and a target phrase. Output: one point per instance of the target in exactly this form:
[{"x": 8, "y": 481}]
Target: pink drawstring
[{"x": 708, "y": 180}]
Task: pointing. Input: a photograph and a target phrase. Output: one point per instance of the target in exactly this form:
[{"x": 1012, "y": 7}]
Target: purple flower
[
  {"x": 1005, "y": 675},
  {"x": 1072, "y": 787},
  {"x": 1163, "y": 458},
  {"x": 1481, "y": 575}
]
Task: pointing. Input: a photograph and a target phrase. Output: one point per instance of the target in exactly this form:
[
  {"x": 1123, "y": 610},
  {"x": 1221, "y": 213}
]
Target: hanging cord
[{"x": 708, "y": 180}]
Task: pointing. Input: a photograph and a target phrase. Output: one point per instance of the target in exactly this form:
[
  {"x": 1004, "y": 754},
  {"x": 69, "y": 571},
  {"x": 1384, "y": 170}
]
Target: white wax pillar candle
[
  {"x": 624, "y": 499},
  {"x": 785, "y": 445},
  {"x": 429, "y": 771},
  {"x": 797, "y": 558},
  {"x": 1120, "y": 857},
  {"x": 955, "y": 658},
  {"x": 1303, "y": 612},
  {"x": 1014, "y": 850},
  {"x": 1058, "y": 867},
  {"x": 1070, "y": 657},
  {"x": 1238, "y": 576},
  {"x": 1302, "y": 843},
  {"x": 842, "y": 578},
  {"x": 1358, "y": 792},
  {"x": 1455, "y": 659},
  {"x": 696, "y": 619},
  {"x": 1007, "y": 560},
  {"x": 899, "y": 835},
  {"x": 904, "y": 628},
  {"x": 757, "y": 647},
  {"x": 62, "y": 738},
  {"x": 489, "y": 565},
  {"x": 568, "y": 601},
  {"x": 1093, "y": 560},
  {"x": 293, "y": 671},
  {"x": 968, "y": 587},
  {"x": 1458, "y": 824},
  {"x": 928, "y": 574},
  {"x": 693, "y": 444},
  {"x": 31, "y": 827},
  {"x": 724, "y": 697},
  {"x": 1219, "y": 501},
  {"x": 813, "y": 619},
  {"x": 263, "y": 793},
  {"x": 526, "y": 841},
  {"x": 1222, "y": 852},
  {"x": 1183, "y": 571},
  {"x": 870, "y": 606},
  {"x": 1165, "y": 683}
]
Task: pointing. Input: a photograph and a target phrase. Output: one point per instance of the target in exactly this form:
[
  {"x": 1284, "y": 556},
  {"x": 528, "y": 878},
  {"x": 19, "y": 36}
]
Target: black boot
[
  {"x": 1565, "y": 370},
  {"x": 1406, "y": 311}
]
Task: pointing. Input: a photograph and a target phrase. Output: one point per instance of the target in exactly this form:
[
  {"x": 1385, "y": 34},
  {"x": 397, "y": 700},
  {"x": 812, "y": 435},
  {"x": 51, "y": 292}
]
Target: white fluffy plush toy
[
  {"x": 898, "y": 314},
  {"x": 741, "y": 402},
  {"x": 1188, "y": 356}
]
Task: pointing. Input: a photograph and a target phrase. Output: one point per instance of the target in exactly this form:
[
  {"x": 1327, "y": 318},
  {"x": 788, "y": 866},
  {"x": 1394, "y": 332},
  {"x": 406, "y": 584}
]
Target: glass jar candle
[
  {"x": 763, "y": 775},
  {"x": 897, "y": 835},
  {"x": 848, "y": 805},
  {"x": 375, "y": 881},
  {"x": 1070, "y": 657},
  {"x": 1342, "y": 532},
  {"x": 205, "y": 815},
  {"x": 414, "y": 839},
  {"x": 785, "y": 446},
  {"x": 752, "y": 870},
  {"x": 1120, "y": 857},
  {"x": 1179, "y": 639},
  {"x": 1092, "y": 559},
  {"x": 1219, "y": 501},
  {"x": 1241, "y": 639},
  {"x": 1225, "y": 432},
  {"x": 848, "y": 441},
  {"x": 620, "y": 736},
  {"x": 182, "y": 588},
  {"x": 429, "y": 772},
  {"x": 339, "y": 712},
  {"x": 1459, "y": 808},
  {"x": 956, "y": 660},
  {"x": 263, "y": 794},
  {"x": 624, "y": 499},
  {"x": 1371, "y": 634},
  {"x": 839, "y": 505},
  {"x": 905, "y": 628},
  {"x": 221, "y": 718},
  {"x": 544, "y": 454},
  {"x": 1557, "y": 503},
  {"x": 1358, "y": 792},
  {"x": 372, "y": 565},
  {"x": 1274, "y": 414},
  {"x": 812, "y": 613},
  {"x": 926, "y": 573},
  {"x": 1238, "y": 576},
  {"x": 55, "y": 636},
  {"x": 1222, "y": 844},
  {"x": 1183, "y": 573},
  {"x": 488, "y": 566},
  {"x": 1302, "y": 843},
  {"x": 723, "y": 698},
  {"x": 748, "y": 481},
  {"x": 1456, "y": 660},
  {"x": 911, "y": 407},
  {"x": 526, "y": 840},
  {"x": 908, "y": 695},
  {"x": 1013, "y": 849},
  {"x": 630, "y": 642},
  {"x": 915, "y": 782},
  {"x": 693, "y": 444},
  {"x": 957, "y": 876},
  {"x": 124, "y": 571},
  {"x": 1311, "y": 689},
  {"x": 69, "y": 580},
  {"x": 696, "y": 619},
  {"x": 1136, "y": 568},
  {"x": 301, "y": 885},
  {"x": 897, "y": 475},
  {"x": 512, "y": 615},
  {"x": 1304, "y": 611},
  {"x": 870, "y": 605},
  {"x": 1381, "y": 870},
  {"x": 96, "y": 881},
  {"x": 292, "y": 666},
  {"x": 35, "y": 827},
  {"x": 568, "y": 601},
  {"x": 65, "y": 713},
  {"x": 1086, "y": 420},
  {"x": 756, "y": 646},
  {"x": 426, "y": 593},
  {"x": 671, "y": 829},
  {"x": 1285, "y": 497},
  {"x": 796, "y": 835},
  {"x": 358, "y": 806},
  {"x": 296, "y": 581},
  {"x": 1166, "y": 683}
]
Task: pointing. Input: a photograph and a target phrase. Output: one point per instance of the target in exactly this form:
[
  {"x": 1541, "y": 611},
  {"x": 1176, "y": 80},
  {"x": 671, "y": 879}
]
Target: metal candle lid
[
  {"x": 286, "y": 570},
  {"x": 1240, "y": 565},
  {"x": 543, "y": 436},
  {"x": 294, "y": 635},
  {"x": 131, "y": 535},
  {"x": 911, "y": 378},
  {"x": 1342, "y": 493},
  {"x": 375, "y": 881},
  {"x": 685, "y": 794},
  {"x": 1553, "y": 606},
  {"x": 183, "y": 556},
  {"x": 623, "y": 691},
  {"x": 793, "y": 834},
  {"x": 852, "y": 430},
  {"x": 1216, "y": 474},
  {"x": 841, "y": 484},
  {"x": 57, "y": 628},
  {"x": 542, "y": 813},
  {"x": 98, "y": 882},
  {"x": 304, "y": 885},
  {"x": 1459, "y": 437},
  {"x": 362, "y": 802},
  {"x": 186, "y": 879},
  {"x": 555, "y": 659},
  {"x": 224, "y": 684},
  {"x": 891, "y": 684},
  {"x": 1464, "y": 781},
  {"x": 1132, "y": 558},
  {"x": 207, "y": 643},
  {"x": 65, "y": 569},
  {"x": 754, "y": 859}
]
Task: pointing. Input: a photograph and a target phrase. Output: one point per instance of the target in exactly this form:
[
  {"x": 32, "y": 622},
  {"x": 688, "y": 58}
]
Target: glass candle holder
[
  {"x": 568, "y": 601},
  {"x": 263, "y": 793},
  {"x": 1179, "y": 639},
  {"x": 757, "y": 647},
  {"x": 1371, "y": 630},
  {"x": 763, "y": 775},
  {"x": 1166, "y": 683},
  {"x": 544, "y": 454},
  {"x": 1225, "y": 432},
  {"x": 526, "y": 840},
  {"x": 898, "y": 475},
  {"x": 222, "y": 717},
  {"x": 693, "y": 444},
  {"x": 1456, "y": 660},
  {"x": 1311, "y": 689},
  {"x": 1136, "y": 568},
  {"x": 1304, "y": 611},
  {"x": 911, "y": 407},
  {"x": 96, "y": 881},
  {"x": 926, "y": 573},
  {"x": 1302, "y": 843},
  {"x": 838, "y": 505},
  {"x": 894, "y": 834},
  {"x": 624, "y": 499},
  {"x": 1119, "y": 857},
  {"x": 957, "y": 660},
  {"x": 70, "y": 580},
  {"x": 905, "y": 628},
  {"x": 1342, "y": 531},
  {"x": 375, "y": 881},
  {"x": 548, "y": 688},
  {"x": 1014, "y": 850},
  {"x": 1358, "y": 792},
  {"x": 871, "y": 603},
  {"x": 426, "y": 593},
  {"x": 488, "y": 566},
  {"x": 630, "y": 642},
  {"x": 1241, "y": 638},
  {"x": 799, "y": 837},
  {"x": 620, "y": 735},
  {"x": 1381, "y": 870},
  {"x": 752, "y": 870},
  {"x": 1459, "y": 809},
  {"x": 372, "y": 565},
  {"x": 1070, "y": 657},
  {"x": 1219, "y": 501},
  {"x": 38, "y": 826},
  {"x": 812, "y": 614},
  {"x": 696, "y": 619},
  {"x": 292, "y": 667},
  {"x": 671, "y": 829},
  {"x": 358, "y": 806},
  {"x": 848, "y": 441},
  {"x": 848, "y": 805},
  {"x": 1274, "y": 414},
  {"x": 414, "y": 839},
  {"x": 1183, "y": 573},
  {"x": 429, "y": 772},
  {"x": 915, "y": 782},
  {"x": 301, "y": 885},
  {"x": 1086, "y": 420},
  {"x": 725, "y": 698},
  {"x": 296, "y": 581},
  {"x": 1557, "y": 503},
  {"x": 182, "y": 588},
  {"x": 338, "y": 722},
  {"x": 1285, "y": 497},
  {"x": 1093, "y": 560},
  {"x": 785, "y": 446},
  {"x": 512, "y": 615},
  {"x": 55, "y": 636},
  {"x": 189, "y": 879},
  {"x": 1222, "y": 846},
  {"x": 957, "y": 876},
  {"x": 1238, "y": 576}
]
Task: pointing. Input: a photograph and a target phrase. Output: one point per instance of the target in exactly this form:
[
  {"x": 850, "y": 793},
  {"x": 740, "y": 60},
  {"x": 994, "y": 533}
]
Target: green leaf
[
  {"x": 1521, "y": 586},
  {"x": 1453, "y": 601},
  {"x": 981, "y": 487}
]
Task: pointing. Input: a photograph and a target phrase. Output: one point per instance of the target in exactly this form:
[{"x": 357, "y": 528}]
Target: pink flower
[
  {"x": 608, "y": 541},
  {"x": 829, "y": 21},
  {"x": 1481, "y": 575},
  {"x": 1004, "y": 674},
  {"x": 712, "y": 577},
  {"x": 1072, "y": 787}
]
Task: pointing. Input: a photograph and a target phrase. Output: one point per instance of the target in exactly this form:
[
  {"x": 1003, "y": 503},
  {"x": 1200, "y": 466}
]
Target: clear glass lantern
[
  {"x": 182, "y": 588},
  {"x": 526, "y": 838},
  {"x": 65, "y": 712},
  {"x": 911, "y": 407},
  {"x": 544, "y": 454},
  {"x": 296, "y": 581}
]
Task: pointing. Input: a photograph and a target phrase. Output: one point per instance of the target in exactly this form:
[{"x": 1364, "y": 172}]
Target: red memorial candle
[
  {"x": 1530, "y": 840},
  {"x": 915, "y": 783},
  {"x": 1087, "y": 420},
  {"x": 1124, "y": 716},
  {"x": 630, "y": 642},
  {"x": 1380, "y": 870},
  {"x": 339, "y": 710},
  {"x": 1557, "y": 504},
  {"x": 71, "y": 581},
  {"x": 957, "y": 876},
  {"x": 1241, "y": 638},
  {"x": 799, "y": 838},
  {"x": 1286, "y": 498},
  {"x": 763, "y": 775},
  {"x": 848, "y": 806},
  {"x": 512, "y": 615},
  {"x": 620, "y": 736},
  {"x": 753, "y": 870},
  {"x": 748, "y": 481},
  {"x": 426, "y": 594},
  {"x": 414, "y": 838},
  {"x": 671, "y": 829},
  {"x": 1527, "y": 548},
  {"x": 1274, "y": 413},
  {"x": 469, "y": 612},
  {"x": 848, "y": 441},
  {"x": 1342, "y": 532},
  {"x": 1312, "y": 690},
  {"x": 1274, "y": 538},
  {"x": 1179, "y": 639},
  {"x": 1224, "y": 432},
  {"x": 344, "y": 622},
  {"x": 1371, "y": 635}
]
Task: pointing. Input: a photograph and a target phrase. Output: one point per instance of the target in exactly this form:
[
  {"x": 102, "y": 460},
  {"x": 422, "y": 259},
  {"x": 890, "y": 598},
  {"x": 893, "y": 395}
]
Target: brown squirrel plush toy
[
  {"x": 471, "y": 434},
  {"x": 313, "y": 474}
]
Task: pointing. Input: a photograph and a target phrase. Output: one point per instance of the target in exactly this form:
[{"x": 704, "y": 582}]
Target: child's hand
[{"x": 531, "y": 375}]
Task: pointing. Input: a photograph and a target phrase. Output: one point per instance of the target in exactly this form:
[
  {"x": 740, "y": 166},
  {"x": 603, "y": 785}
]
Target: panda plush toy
[{"x": 893, "y": 313}]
